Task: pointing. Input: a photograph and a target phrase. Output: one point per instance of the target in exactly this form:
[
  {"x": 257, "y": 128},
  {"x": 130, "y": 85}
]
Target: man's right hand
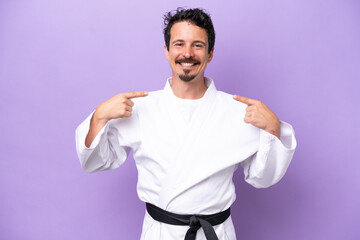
[{"x": 119, "y": 106}]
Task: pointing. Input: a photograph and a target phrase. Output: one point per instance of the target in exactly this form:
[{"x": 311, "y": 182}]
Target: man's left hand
[{"x": 259, "y": 115}]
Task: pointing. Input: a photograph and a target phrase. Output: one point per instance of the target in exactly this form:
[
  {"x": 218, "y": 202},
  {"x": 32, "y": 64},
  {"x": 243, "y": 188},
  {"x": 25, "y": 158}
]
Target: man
[{"x": 187, "y": 140}]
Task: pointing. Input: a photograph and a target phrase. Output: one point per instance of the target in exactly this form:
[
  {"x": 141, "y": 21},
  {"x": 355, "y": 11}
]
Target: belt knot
[{"x": 194, "y": 222}]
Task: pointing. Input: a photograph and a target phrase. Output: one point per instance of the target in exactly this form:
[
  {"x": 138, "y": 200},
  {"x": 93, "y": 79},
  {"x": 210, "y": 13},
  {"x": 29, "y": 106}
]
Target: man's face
[{"x": 188, "y": 51}]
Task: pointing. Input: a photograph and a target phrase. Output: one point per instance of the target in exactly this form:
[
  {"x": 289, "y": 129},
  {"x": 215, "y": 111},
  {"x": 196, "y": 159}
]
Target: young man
[{"x": 187, "y": 140}]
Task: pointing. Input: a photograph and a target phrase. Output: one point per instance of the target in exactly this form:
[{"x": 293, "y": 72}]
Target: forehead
[{"x": 187, "y": 31}]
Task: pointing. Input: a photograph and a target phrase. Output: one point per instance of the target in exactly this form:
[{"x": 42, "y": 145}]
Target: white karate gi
[{"x": 186, "y": 167}]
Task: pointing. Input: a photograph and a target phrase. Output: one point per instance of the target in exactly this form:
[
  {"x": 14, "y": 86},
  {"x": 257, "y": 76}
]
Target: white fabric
[
  {"x": 187, "y": 107},
  {"x": 187, "y": 168}
]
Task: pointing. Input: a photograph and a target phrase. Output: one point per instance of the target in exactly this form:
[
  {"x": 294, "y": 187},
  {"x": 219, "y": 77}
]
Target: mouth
[{"x": 188, "y": 64}]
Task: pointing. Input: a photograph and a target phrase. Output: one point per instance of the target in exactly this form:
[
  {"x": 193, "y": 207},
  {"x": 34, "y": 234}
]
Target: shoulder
[
  {"x": 152, "y": 98},
  {"x": 155, "y": 95},
  {"x": 228, "y": 100}
]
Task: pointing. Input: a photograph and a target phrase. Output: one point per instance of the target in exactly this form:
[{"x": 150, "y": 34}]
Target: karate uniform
[{"x": 186, "y": 155}]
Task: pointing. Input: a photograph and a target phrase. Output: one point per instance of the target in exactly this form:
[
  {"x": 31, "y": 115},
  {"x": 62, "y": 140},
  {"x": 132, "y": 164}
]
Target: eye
[
  {"x": 198, "y": 45},
  {"x": 178, "y": 44}
]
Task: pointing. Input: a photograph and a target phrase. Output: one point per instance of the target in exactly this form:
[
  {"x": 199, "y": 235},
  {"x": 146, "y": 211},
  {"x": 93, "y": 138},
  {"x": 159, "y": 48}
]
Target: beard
[{"x": 186, "y": 77}]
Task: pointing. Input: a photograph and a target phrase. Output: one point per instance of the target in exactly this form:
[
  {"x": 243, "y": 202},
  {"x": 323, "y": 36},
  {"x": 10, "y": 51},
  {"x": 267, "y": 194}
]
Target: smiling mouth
[{"x": 187, "y": 64}]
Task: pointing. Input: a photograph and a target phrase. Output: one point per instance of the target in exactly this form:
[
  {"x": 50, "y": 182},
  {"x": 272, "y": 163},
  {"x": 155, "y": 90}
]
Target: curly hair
[{"x": 195, "y": 16}]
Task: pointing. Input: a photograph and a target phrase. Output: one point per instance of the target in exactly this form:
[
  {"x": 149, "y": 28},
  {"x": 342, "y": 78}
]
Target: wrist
[
  {"x": 99, "y": 118},
  {"x": 274, "y": 129}
]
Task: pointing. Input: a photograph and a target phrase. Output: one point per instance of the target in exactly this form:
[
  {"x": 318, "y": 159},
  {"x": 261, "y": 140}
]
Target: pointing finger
[
  {"x": 130, "y": 95},
  {"x": 245, "y": 100}
]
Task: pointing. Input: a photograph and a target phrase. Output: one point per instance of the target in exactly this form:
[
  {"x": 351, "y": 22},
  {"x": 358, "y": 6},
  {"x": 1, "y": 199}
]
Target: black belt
[{"x": 194, "y": 221}]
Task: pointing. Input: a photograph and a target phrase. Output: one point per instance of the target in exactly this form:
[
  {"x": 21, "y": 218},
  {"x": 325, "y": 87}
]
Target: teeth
[{"x": 187, "y": 64}]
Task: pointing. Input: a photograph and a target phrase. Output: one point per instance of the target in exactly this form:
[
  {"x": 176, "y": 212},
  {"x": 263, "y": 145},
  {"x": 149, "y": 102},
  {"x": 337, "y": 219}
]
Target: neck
[{"x": 194, "y": 89}]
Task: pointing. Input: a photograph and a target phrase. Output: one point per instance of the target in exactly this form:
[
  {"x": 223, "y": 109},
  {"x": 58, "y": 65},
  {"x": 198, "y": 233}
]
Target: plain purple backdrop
[{"x": 60, "y": 59}]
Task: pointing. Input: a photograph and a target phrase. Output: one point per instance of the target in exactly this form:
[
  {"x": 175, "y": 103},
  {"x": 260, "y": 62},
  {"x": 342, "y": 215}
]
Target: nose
[{"x": 188, "y": 51}]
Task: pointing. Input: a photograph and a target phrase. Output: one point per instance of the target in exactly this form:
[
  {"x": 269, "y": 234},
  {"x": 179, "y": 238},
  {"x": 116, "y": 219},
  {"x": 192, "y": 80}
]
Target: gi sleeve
[
  {"x": 269, "y": 164},
  {"x": 111, "y": 146}
]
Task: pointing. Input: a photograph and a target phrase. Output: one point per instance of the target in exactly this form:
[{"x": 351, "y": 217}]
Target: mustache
[{"x": 187, "y": 60}]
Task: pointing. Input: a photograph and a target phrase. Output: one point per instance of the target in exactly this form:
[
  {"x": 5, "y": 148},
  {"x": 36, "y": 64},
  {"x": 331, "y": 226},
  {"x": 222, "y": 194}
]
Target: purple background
[{"x": 60, "y": 59}]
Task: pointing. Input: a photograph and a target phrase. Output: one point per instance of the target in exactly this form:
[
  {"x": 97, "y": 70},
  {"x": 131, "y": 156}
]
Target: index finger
[
  {"x": 245, "y": 100},
  {"x": 130, "y": 95}
]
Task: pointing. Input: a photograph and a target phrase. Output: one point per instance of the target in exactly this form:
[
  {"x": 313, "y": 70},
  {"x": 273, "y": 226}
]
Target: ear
[
  {"x": 211, "y": 54},
  {"x": 166, "y": 52}
]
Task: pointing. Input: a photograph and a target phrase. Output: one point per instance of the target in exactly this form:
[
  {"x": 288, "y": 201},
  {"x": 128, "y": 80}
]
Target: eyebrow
[
  {"x": 180, "y": 40},
  {"x": 200, "y": 42}
]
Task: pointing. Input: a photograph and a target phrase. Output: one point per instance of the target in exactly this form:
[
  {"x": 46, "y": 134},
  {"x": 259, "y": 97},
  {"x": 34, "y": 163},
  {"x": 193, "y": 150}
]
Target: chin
[{"x": 187, "y": 78}]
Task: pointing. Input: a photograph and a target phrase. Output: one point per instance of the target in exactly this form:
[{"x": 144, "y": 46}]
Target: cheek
[
  {"x": 202, "y": 56},
  {"x": 172, "y": 56}
]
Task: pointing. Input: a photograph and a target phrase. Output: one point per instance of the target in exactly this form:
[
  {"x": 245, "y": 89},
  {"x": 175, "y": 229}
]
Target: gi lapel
[
  {"x": 180, "y": 162},
  {"x": 175, "y": 118}
]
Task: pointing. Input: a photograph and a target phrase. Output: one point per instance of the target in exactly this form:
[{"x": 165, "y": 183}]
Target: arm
[
  {"x": 276, "y": 145},
  {"x": 103, "y": 153},
  {"x": 119, "y": 106},
  {"x": 103, "y": 140},
  {"x": 269, "y": 164}
]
